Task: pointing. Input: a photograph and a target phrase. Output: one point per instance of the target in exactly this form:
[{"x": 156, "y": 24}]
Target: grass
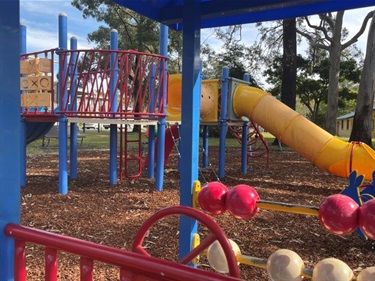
[{"x": 100, "y": 140}]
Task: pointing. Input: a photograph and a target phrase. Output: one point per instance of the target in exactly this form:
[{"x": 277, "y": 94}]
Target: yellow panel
[
  {"x": 44, "y": 82},
  {"x": 35, "y": 83},
  {"x": 44, "y": 99},
  {"x": 24, "y": 83},
  {"x": 29, "y": 66},
  {"x": 36, "y": 100},
  {"x": 45, "y": 65},
  {"x": 23, "y": 100},
  {"x": 210, "y": 100}
]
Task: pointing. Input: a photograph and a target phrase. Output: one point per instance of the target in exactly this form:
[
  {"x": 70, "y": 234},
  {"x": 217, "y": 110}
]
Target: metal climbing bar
[
  {"x": 130, "y": 154},
  {"x": 257, "y": 146},
  {"x": 136, "y": 77},
  {"x": 132, "y": 266}
]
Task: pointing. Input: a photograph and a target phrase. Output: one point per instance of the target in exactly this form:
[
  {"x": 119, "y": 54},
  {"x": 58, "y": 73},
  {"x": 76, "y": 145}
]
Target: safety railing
[
  {"x": 94, "y": 84},
  {"x": 132, "y": 266},
  {"x": 112, "y": 84}
]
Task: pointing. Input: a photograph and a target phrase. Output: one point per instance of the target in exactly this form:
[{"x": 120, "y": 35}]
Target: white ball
[
  {"x": 216, "y": 257},
  {"x": 332, "y": 269},
  {"x": 285, "y": 265},
  {"x": 367, "y": 274}
]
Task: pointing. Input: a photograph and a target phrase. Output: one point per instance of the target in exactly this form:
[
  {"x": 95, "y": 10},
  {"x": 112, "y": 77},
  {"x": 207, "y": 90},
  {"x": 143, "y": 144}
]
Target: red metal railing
[
  {"x": 104, "y": 84},
  {"x": 112, "y": 84},
  {"x": 131, "y": 266},
  {"x": 257, "y": 146}
]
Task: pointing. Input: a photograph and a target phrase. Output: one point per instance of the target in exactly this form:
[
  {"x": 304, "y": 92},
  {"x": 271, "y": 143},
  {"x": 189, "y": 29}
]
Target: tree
[
  {"x": 313, "y": 81},
  {"x": 362, "y": 124},
  {"x": 289, "y": 76},
  {"x": 328, "y": 35},
  {"x": 136, "y": 32}
]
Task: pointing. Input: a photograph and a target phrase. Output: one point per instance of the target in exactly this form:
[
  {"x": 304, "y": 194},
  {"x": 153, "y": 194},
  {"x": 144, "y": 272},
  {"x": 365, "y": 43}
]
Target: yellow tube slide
[{"x": 316, "y": 145}]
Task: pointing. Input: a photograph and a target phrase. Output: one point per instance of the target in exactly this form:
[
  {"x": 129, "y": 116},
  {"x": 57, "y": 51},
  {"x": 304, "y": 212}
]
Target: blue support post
[
  {"x": 159, "y": 173},
  {"x": 151, "y": 129},
  {"x": 113, "y": 96},
  {"x": 63, "y": 45},
  {"x": 245, "y": 132},
  {"x": 62, "y": 101},
  {"x": 10, "y": 131},
  {"x": 191, "y": 95},
  {"x": 63, "y": 155},
  {"x": 73, "y": 126},
  {"x": 223, "y": 121},
  {"x": 23, "y": 124},
  {"x": 205, "y": 147}
]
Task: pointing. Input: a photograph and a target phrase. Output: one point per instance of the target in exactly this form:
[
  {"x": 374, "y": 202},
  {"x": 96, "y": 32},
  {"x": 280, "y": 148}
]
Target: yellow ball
[
  {"x": 367, "y": 274},
  {"x": 332, "y": 269},
  {"x": 216, "y": 257},
  {"x": 285, "y": 265}
]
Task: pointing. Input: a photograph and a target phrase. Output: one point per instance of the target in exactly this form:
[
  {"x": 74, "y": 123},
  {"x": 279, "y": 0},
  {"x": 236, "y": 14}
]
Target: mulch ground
[{"x": 111, "y": 215}]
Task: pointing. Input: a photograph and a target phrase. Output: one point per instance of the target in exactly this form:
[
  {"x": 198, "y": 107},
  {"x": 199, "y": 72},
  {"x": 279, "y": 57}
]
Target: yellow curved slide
[{"x": 316, "y": 145}]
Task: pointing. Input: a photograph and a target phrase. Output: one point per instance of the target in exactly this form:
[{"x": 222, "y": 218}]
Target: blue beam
[
  {"x": 10, "y": 165},
  {"x": 218, "y": 13},
  {"x": 191, "y": 92}
]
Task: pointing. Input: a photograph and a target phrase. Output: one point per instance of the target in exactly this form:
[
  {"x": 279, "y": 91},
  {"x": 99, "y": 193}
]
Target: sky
[{"x": 41, "y": 20}]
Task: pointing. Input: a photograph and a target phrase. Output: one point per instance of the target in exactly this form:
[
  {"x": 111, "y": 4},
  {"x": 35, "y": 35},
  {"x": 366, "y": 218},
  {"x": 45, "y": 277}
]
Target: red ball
[
  {"x": 338, "y": 214},
  {"x": 241, "y": 201},
  {"x": 367, "y": 219},
  {"x": 212, "y": 196}
]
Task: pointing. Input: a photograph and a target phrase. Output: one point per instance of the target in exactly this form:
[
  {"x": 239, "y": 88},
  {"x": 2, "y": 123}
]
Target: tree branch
[
  {"x": 320, "y": 28},
  {"x": 359, "y": 33},
  {"x": 312, "y": 40}
]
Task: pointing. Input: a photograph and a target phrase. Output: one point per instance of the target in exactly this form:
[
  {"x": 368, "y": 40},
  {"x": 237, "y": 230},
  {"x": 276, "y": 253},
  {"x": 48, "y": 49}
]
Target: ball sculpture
[
  {"x": 216, "y": 256},
  {"x": 285, "y": 265},
  {"x": 367, "y": 219},
  {"x": 338, "y": 214},
  {"x": 332, "y": 269},
  {"x": 367, "y": 274},
  {"x": 241, "y": 201},
  {"x": 212, "y": 197}
]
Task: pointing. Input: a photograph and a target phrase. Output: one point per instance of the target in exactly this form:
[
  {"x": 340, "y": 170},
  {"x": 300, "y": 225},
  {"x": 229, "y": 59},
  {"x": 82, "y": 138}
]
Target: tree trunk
[
  {"x": 289, "y": 76},
  {"x": 362, "y": 125},
  {"x": 334, "y": 73}
]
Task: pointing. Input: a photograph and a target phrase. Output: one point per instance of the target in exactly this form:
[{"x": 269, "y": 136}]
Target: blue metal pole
[
  {"x": 73, "y": 126},
  {"x": 223, "y": 121},
  {"x": 159, "y": 173},
  {"x": 23, "y": 123},
  {"x": 113, "y": 127},
  {"x": 63, "y": 155},
  {"x": 63, "y": 45},
  {"x": 10, "y": 131},
  {"x": 205, "y": 147},
  {"x": 191, "y": 94},
  {"x": 63, "y": 122},
  {"x": 151, "y": 129},
  {"x": 245, "y": 132}
]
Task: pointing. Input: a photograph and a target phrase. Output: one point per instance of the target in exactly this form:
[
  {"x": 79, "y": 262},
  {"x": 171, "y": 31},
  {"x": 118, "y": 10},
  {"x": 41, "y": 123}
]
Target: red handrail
[{"x": 130, "y": 264}]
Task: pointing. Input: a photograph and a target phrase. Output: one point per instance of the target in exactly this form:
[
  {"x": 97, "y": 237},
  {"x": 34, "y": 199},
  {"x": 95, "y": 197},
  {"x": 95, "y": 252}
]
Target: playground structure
[
  {"x": 121, "y": 88},
  {"x": 101, "y": 86},
  {"x": 192, "y": 23}
]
